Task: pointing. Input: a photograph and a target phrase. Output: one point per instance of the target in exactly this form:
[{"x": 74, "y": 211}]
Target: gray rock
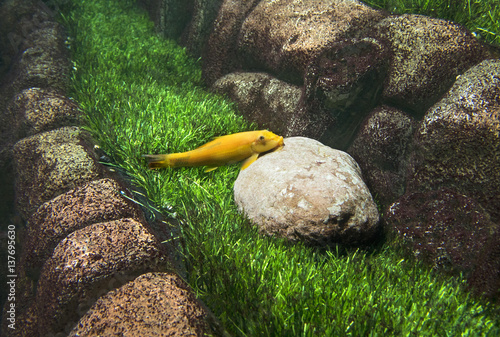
[{"x": 308, "y": 192}]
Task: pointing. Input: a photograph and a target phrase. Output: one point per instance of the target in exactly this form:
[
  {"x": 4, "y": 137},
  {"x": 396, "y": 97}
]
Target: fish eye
[{"x": 262, "y": 137}]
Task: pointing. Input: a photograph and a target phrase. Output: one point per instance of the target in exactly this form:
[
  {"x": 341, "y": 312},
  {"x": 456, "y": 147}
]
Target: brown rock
[
  {"x": 43, "y": 62},
  {"x": 51, "y": 163},
  {"x": 37, "y": 110},
  {"x": 261, "y": 98},
  {"x": 308, "y": 192},
  {"x": 282, "y": 36},
  {"x": 87, "y": 264},
  {"x": 19, "y": 20},
  {"x": 21, "y": 330},
  {"x": 197, "y": 32},
  {"x": 457, "y": 144},
  {"x": 97, "y": 201},
  {"x": 32, "y": 111},
  {"x": 344, "y": 82},
  {"x": 169, "y": 16},
  {"x": 221, "y": 54},
  {"x": 428, "y": 54},
  {"x": 381, "y": 149},
  {"x": 485, "y": 279},
  {"x": 154, "y": 304},
  {"x": 449, "y": 231},
  {"x": 32, "y": 53}
]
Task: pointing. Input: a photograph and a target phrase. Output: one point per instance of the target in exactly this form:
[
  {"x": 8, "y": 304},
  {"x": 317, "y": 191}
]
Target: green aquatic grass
[
  {"x": 482, "y": 17},
  {"x": 143, "y": 95}
]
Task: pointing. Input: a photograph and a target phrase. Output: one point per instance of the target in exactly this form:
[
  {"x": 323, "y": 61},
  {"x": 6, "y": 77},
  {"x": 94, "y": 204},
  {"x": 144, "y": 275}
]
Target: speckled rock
[
  {"x": 261, "y": 98},
  {"x": 221, "y": 52},
  {"x": 86, "y": 265},
  {"x": 98, "y": 201},
  {"x": 381, "y": 148},
  {"x": 198, "y": 30},
  {"x": 308, "y": 192},
  {"x": 19, "y": 20},
  {"x": 457, "y": 144},
  {"x": 51, "y": 163},
  {"x": 37, "y": 110},
  {"x": 428, "y": 54},
  {"x": 44, "y": 60},
  {"x": 345, "y": 82},
  {"x": 25, "y": 25},
  {"x": 154, "y": 304},
  {"x": 170, "y": 16},
  {"x": 485, "y": 279},
  {"x": 282, "y": 36},
  {"x": 447, "y": 230},
  {"x": 24, "y": 289},
  {"x": 32, "y": 111}
]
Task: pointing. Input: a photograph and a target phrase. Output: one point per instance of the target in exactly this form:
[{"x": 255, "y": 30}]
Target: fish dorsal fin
[{"x": 249, "y": 161}]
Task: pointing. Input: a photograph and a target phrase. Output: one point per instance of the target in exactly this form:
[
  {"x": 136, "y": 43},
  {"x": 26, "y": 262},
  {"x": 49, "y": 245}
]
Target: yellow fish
[{"x": 246, "y": 146}]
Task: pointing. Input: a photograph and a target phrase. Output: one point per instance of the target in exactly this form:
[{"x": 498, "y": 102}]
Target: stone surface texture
[
  {"x": 381, "y": 149},
  {"x": 261, "y": 98},
  {"x": 344, "y": 82},
  {"x": 310, "y": 192},
  {"x": 98, "y": 201},
  {"x": 38, "y": 110},
  {"x": 449, "y": 231},
  {"x": 154, "y": 304},
  {"x": 457, "y": 144},
  {"x": 282, "y": 36},
  {"x": 87, "y": 264},
  {"x": 428, "y": 54},
  {"x": 51, "y": 163},
  {"x": 221, "y": 55},
  {"x": 42, "y": 156},
  {"x": 44, "y": 60},
  {"x": 200, "y": 26}
]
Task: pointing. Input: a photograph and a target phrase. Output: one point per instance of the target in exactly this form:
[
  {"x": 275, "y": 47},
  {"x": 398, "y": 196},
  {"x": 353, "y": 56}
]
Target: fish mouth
[
  {"x": 279, "y": 145},
  {"x": 280, "y": 142}
]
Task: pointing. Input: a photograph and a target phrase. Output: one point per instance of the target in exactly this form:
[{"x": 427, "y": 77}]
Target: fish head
[{"x": 266, "y": 141}]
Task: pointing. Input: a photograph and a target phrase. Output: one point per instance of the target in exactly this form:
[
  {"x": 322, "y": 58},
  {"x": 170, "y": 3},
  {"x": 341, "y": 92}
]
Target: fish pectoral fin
[
  {"x": 249, "y": 161},
  {"x": 210, "y": 169}
]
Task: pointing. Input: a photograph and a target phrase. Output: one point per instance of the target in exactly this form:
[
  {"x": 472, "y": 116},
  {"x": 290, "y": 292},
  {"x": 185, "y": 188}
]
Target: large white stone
[{"x": 308, "y": 191}]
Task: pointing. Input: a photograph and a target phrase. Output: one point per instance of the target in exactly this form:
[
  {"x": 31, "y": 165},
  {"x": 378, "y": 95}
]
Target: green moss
[{"x": 142, "y": 94}]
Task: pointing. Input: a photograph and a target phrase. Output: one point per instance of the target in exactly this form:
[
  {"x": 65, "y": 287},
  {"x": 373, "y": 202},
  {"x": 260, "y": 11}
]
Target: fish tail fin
[{"x": 158, "y": 161}]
